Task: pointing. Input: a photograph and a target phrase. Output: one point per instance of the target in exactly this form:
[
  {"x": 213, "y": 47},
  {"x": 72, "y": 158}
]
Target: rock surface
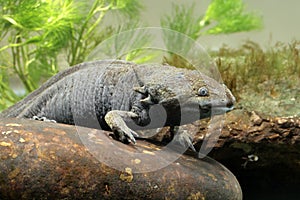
[
  {"x": 262, "y": 151},
  {"x": 40, "y": 160}
]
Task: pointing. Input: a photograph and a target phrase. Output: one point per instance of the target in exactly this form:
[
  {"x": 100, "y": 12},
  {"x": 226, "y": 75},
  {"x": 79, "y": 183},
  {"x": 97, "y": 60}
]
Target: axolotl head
[{"x": 188, "y": 95}]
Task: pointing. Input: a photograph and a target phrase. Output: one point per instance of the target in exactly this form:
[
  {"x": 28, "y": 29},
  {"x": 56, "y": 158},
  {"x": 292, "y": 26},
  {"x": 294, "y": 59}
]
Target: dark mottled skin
[{"x": 119, "y": 94}]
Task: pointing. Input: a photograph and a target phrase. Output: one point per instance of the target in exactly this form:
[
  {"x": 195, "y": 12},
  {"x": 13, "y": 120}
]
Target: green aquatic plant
[
  {"x": 265, "y": 80},
  {"x": 221, "y": 17},
  {"x": 90, "y": 33},
  {"x": 128, "y": 42},
  {"x": 35, "y": 31},
  {"x": 229, "y": 16},
  {"x": 35, "y": 35}
]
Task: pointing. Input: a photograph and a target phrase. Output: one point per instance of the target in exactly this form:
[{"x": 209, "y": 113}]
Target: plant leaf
[{"x": 12, "y": 21}]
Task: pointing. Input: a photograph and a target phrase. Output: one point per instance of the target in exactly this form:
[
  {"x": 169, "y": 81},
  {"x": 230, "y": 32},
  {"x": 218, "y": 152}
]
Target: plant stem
[
  {"x": 19, "y": 59},
  {"x": 25, "y": 63},
  {"x": 75, "y": 49}
]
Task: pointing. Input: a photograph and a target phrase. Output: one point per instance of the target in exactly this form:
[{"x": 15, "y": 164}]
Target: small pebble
[
  {"x": 281, "y": 121},
  {"x": 22, "y": 140},
  {"x": 5, "y": 144},
  {"x": 255, "y": 119},
  {"x": 274, "y": 136}
]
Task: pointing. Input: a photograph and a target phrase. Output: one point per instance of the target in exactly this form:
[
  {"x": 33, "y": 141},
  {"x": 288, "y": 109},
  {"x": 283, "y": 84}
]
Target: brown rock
[{"x": 50, "y": 162}]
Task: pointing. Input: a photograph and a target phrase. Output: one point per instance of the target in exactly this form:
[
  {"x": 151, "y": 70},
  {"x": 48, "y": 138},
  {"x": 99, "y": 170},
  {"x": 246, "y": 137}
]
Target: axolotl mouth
[{"x": 208, "y": 111}]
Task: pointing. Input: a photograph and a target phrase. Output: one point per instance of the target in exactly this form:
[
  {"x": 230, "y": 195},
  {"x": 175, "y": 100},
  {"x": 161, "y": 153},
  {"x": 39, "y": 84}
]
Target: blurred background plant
[
  {"x": 264, "y": 80},
  {"x": 35, "y": 34},
  {"x": 221, "y": 17}
]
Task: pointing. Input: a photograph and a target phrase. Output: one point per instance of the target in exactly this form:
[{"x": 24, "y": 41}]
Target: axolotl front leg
[{"x": 116, "y": 120}]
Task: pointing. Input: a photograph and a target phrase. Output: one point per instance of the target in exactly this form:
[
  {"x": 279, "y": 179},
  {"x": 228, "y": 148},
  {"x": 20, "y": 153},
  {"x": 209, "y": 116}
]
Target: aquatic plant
[
  {"x": 221, "y": 17},
  {"x": 36, "y": 34},
  {"x": 266, "y": 80}
]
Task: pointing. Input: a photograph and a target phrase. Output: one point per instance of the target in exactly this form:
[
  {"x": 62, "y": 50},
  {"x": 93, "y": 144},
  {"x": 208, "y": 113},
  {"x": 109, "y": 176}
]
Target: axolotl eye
[{"x": 203, "y": 91}]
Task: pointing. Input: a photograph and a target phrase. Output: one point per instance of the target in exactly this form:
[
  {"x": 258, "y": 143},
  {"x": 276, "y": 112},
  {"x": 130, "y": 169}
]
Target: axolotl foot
[
  {"x": 183, "y": 139},
  {"x": 125, "y": 135},
  {"x": 116, "y": 121}
]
